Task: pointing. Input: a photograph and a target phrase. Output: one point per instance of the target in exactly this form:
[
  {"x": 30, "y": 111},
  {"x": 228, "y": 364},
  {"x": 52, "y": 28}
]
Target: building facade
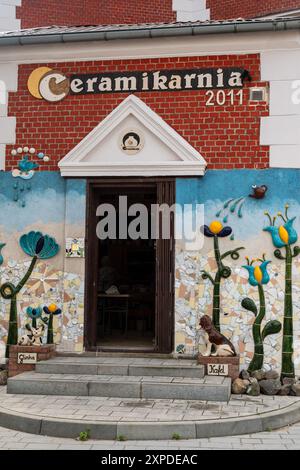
[{"x": 213, "y": 110}]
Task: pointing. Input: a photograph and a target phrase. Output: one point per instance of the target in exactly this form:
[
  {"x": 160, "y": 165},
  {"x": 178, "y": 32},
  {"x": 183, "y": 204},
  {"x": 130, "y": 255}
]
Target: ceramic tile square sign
[
  {"x": 75, "y": 247},
  {"x": 217, "y": 369},
  {"x": 27, "y": 358}
]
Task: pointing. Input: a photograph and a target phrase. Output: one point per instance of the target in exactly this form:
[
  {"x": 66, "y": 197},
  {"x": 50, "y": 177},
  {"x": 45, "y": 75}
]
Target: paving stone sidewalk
[
  {"x": 146, "y": 410},
  {"x": 117, "y": 409},
  {"x": 284, "y": 439}
]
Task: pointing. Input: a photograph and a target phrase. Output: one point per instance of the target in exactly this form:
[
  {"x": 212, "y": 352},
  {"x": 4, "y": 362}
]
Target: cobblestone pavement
[
  {"x": 130, "y": 409},
  {"x": 283, "y": 439}
]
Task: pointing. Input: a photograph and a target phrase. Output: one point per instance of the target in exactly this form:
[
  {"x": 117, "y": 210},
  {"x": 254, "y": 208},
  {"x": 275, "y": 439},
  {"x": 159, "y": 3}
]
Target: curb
[{"x": 56, "y": 427}]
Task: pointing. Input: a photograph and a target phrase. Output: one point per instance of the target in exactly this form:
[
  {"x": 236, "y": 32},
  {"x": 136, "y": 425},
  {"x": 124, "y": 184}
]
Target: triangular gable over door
[{"x": 133, "y": 140}]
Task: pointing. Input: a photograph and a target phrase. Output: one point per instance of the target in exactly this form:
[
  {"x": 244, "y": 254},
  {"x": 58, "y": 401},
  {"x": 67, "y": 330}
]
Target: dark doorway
[
  {"x": 126, "y": 279},
  {"x": 129, "y": 282}
]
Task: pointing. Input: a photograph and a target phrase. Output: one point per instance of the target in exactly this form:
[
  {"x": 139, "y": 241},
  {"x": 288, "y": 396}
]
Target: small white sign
[
  {"x": 27, "y": 358},
  {"x": 217, "y": 369}
]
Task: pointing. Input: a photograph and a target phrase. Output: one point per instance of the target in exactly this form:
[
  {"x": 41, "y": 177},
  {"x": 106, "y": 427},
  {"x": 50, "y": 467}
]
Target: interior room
[{"x": 126, "y": 280}]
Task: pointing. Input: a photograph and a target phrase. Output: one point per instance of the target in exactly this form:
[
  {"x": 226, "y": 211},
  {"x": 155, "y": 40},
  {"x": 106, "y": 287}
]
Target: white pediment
[{"x": 163, "y": 151}]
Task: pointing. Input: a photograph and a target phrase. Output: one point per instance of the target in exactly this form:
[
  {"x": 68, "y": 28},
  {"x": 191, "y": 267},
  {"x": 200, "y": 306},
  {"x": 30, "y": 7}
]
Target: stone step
[
  {"x": 122, "y": 366},
  {"x": 182, "y": 388}
]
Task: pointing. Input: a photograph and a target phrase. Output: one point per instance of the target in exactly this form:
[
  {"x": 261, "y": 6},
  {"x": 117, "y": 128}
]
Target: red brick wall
[
  {"x": 35, "y": 13},
  {"x": 227, "y": 136},
  {"x": 221, "y": 9}
]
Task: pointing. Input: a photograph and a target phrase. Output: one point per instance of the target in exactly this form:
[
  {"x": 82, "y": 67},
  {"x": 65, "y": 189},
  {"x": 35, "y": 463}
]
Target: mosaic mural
[
  {"x": 54, "y": 206},
  {"x": 194, "y": 296},
  {"x": 57, "y": 206}
]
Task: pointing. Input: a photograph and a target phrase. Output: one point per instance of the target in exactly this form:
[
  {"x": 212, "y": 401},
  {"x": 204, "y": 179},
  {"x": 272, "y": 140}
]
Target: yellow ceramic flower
[
  {"x": 283, "y": 233},
  {"x": 215, "y": 227},
  {"x": 258, "y": 275},
  {"x": 52, "y": 308}
]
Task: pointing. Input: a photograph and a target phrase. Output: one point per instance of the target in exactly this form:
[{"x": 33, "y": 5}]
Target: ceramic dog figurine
[
  {"x": 222, "y": 346},
  {"x": 33, "y": 337}
]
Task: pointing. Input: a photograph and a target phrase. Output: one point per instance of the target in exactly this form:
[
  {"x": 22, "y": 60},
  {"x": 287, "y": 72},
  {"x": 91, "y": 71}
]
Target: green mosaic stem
[
  {"x": 287, "y": 367},
  {"x": 27, "y": 275},
  {"x": 9, "y": 291},
  {"x": 216, "y": 302},
  {"x": 258, "y": 358},
  {"x": 216, "y": 290},
  {"x": 12, "y": 337},
  {"x": 50, "y": 330},
  {"x": 222, "y": 272}
]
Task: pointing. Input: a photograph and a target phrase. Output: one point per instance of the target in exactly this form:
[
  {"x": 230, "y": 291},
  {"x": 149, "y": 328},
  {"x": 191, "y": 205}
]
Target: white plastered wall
[
  {"x": 8, "y": 79},
  {"x": 191, "y": 10},
  {"x": 8, "y": 82},
  {"x": 281, "y": 130},
  {"x": 8, "y": 21}
]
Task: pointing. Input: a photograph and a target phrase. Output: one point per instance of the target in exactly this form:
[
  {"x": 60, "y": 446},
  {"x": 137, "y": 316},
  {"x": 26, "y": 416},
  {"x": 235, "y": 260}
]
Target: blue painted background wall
[
  {"x": 47, "y": 200},
  {"x": 218, "y": 186}
]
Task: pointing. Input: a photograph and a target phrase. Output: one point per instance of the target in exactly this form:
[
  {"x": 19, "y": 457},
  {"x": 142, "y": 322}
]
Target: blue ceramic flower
[
  {"x": 25, "y": 165},
  {"x": 258, "y": 275},
  {"x": 284, "y": 234},
  {"x": 2, "y": 245},
  {"x": 34, "y": 313},
  {"x": 216, "y": 229},
  {"x": 39, "y": 245}
]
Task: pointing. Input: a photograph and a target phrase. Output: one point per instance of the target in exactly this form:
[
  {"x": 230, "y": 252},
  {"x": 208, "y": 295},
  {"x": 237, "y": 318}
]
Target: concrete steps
[
  {"x": 122, "y": 366},
  {"x": 121, "y": 377},
  {"x": 122, "y": 386}
]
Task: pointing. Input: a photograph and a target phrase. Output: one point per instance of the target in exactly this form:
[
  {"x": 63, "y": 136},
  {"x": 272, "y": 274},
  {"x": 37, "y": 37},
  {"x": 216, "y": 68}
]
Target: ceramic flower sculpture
[
  {"x": 258, "y": 277},
  {"x": 34, "y": 314},
  {"x": 51, "y": 311},
  {"x": 38, "y": 246},
  {"x": 283, "y": 237},
  {"x": 2, "y": 245},
  {"x": 216, "y": 230}
]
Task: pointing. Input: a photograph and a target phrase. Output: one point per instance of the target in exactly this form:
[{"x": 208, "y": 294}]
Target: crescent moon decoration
[
  {"x": 54, "y": 86},
  {"x": 34, "y": 81}
]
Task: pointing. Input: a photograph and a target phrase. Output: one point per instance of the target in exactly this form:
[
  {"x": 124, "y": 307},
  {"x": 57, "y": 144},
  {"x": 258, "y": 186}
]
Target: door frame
[{"x": 165, "y": 264}]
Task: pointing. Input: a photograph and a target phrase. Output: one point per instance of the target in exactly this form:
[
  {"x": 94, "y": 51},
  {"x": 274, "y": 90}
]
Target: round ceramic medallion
[{"x": 131, "y": 141}]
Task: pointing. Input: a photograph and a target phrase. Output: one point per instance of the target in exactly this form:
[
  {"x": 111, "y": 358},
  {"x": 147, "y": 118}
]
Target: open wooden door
[
  {"x": 91, "y": 271},
  {"x": 165, "y": 259}
]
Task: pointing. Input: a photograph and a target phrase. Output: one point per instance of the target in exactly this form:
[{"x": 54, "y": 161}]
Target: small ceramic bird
[
  {"x": 259, "y": 192},
  {"x": 2, "y": 245},
  {"x": 26, "y": 165}
]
